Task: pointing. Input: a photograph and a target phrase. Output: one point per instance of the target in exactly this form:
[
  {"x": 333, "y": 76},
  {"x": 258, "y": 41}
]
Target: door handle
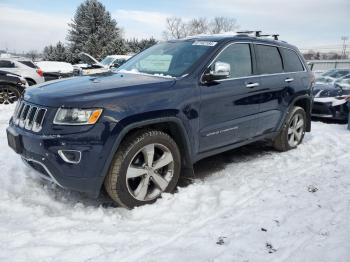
[
  {"x": 251, "y": 85},
  {"x": 288, "y": 80}
]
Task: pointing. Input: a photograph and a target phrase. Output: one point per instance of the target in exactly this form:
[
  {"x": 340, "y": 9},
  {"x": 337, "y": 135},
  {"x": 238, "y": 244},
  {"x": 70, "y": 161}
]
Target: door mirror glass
[{"x": 220, "y": 70}]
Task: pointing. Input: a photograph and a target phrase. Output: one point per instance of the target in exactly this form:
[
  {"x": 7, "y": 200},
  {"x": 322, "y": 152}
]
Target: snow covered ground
[{"x": 250, "y": 204}]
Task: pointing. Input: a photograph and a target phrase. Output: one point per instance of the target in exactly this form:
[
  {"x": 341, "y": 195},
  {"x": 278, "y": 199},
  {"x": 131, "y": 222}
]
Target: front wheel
[
  {"x": 146, "y": 165},
  {"x": 293, "y": 130},
  {"x": 9, "y": 95}
]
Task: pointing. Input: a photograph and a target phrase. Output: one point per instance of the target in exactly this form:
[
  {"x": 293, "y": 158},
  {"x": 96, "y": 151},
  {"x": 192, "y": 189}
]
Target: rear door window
[
  {"x": 269, "y": 60},
  {"x": 292, "y": 61}
]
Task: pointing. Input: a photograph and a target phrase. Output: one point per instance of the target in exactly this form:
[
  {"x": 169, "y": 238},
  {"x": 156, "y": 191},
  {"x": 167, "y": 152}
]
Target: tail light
[{"x": 40, "y": 72}]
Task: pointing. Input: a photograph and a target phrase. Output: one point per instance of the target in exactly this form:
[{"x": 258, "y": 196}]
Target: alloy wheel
[
  {"x": 150, "y": 172},
  {"x": 7, "y": 96},
  {"x": 295, "y": 130}
]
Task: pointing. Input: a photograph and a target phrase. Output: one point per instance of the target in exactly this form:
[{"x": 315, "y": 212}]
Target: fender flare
[
  {"x": 308, "y": 112},
  {"x": 125, "y": 129}
]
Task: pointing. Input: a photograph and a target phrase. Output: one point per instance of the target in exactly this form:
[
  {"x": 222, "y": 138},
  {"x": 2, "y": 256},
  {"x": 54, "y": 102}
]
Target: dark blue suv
[{"x": 138, "y": 129}]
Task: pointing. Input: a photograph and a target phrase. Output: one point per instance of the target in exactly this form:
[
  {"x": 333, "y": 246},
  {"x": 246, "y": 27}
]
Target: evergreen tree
[
  {"x": 94, "y": 31},
  {"x": 135, "y": 46},
  {"x": 55, "y": 53}
]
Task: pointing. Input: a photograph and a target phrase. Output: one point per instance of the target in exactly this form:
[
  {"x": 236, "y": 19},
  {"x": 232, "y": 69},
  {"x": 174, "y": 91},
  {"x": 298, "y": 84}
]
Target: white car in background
[
  {"x": 23, "y": 67},
  {"x": 53, "y": 70},
  {"x": 114, "y": 61},
  {"x": 330, "y": 77},
  {"x": 89, "y": 65}
]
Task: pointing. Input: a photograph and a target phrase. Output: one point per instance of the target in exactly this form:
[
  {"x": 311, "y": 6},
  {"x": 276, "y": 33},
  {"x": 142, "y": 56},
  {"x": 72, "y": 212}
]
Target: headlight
[{"x": 75, "y": 116}]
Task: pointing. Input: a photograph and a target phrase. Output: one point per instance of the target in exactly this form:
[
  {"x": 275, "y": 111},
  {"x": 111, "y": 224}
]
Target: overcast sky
[{"x": 32, "y": 24}]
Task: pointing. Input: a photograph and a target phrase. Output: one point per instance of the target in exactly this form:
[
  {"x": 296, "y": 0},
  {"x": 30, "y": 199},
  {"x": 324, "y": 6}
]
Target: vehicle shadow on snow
[
  {"x": 207, "y": 166},
  {"x": 329, "y": 120},
  {"x": 202, "y": 169}
]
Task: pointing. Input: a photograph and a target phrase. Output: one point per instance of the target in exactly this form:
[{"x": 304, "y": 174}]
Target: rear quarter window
[
  {"x": 269, "y": 60},
  {"x": 28, "y": 63},
  {"x": 6, "y": 64},
  {"x": 292, "y": 61}
]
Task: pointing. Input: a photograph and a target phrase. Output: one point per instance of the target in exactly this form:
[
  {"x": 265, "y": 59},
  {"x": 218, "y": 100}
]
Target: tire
[
  {"x": 293, "y": 130},
  {"x": 9, "y": 94},
  {"x": 133, "y": 178}
]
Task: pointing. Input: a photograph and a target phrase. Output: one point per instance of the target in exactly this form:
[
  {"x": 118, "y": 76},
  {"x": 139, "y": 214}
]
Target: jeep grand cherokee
[{"x": 138, "y": 129}]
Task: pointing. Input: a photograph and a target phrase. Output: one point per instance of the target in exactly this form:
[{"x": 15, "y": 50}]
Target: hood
[
  {"x": 326, "y": 90},
  {"x": 88, "y": 59},
  {"x": 90, "y": 90}
]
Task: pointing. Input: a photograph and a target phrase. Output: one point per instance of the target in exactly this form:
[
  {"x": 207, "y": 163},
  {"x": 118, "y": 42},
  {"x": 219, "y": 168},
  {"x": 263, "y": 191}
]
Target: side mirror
[{"x": 221, "y": 70}]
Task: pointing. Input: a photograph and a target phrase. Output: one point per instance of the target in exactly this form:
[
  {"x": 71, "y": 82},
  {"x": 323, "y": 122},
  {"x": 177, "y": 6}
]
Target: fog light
[{"x": 70, "y": 156}]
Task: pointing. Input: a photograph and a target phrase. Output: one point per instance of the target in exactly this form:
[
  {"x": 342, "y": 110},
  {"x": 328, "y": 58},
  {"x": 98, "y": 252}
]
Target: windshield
[
  {"x": 107, "y": 60},
  {"x": 344, "y": 79},
  {"x": 168, "y": 59},
  {"x": 329, "y": 72},
  {"x": 339, "y": 73},
  {"x": 324, "y": 80}
]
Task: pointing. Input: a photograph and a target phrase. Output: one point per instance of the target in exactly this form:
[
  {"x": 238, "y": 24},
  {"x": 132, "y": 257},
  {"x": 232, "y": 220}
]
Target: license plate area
[{"x": 14, "y": 140}]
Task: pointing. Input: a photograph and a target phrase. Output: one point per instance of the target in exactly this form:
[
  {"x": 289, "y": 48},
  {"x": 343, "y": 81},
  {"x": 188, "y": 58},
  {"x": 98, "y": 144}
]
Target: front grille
[{"x": 30, "y": 117}]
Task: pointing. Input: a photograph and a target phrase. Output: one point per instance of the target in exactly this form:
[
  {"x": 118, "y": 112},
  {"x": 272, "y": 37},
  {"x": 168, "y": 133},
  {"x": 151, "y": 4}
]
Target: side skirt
[{"x": 219, "y": 150}]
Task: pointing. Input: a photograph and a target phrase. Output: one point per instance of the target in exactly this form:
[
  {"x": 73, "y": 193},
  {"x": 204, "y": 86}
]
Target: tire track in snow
[
  {"x": 154, "y": 248},
  {"x": 299, "y": 243},
  {"x": 195, "y": 225}
]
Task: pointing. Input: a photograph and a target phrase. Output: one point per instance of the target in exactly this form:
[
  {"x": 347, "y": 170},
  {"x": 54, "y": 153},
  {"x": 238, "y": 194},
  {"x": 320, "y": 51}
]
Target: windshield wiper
[{"x": 143, "y": 73}]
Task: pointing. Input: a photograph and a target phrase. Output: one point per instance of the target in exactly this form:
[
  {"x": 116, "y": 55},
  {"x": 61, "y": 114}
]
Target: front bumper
[
  {"x": 328, "y": 110},
  {"x": 40, "y": 152}
]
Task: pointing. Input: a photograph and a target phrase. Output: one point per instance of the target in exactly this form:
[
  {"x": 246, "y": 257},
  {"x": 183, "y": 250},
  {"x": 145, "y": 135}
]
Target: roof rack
[
  {"x": 275, "y": 36},
  {"x": 258, "y": 34}
]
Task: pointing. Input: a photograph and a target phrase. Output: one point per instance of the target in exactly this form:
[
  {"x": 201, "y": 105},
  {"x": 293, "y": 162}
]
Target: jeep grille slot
[{"x": 29, "y": 116}]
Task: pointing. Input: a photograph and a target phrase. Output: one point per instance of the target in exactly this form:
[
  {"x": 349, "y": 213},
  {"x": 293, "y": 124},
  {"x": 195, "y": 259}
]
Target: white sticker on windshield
[{"x": 205, "y": 43}]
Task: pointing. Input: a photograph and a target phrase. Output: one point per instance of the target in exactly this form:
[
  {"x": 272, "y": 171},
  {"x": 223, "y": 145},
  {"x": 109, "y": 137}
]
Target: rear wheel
[
  {"x": 146, "y": 165},
  {"x": 9, "y": 95},
  {"x": 293, "y": 130}
]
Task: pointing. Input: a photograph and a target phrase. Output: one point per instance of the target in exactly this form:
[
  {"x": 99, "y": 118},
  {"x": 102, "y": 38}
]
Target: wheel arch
[
  {"x": 171, "y": 125},
  {"x": 18, "y": 87},
  {"x": 28, "y": 79},
  {"x": 304, "y": 102}
]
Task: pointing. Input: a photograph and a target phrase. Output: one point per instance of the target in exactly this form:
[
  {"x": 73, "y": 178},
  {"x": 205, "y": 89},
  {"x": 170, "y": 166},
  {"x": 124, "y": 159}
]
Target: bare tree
[
  {"x": 32, "y": 54},
  {"x": 197, "y": 26},
  {"x": 221, "y": 24},
  {"x": 175, "y": 28}
]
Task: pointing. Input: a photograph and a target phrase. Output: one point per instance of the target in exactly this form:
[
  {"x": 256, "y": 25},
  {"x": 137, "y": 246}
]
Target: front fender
[{"x": 123, "y": 127}]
